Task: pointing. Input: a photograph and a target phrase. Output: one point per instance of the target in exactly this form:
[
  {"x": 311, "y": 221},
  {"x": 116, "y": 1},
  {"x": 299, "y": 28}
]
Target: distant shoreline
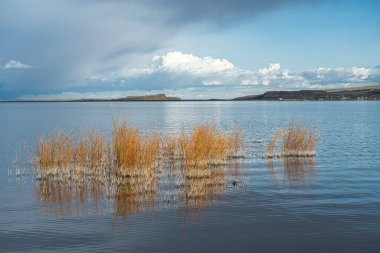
[
  {"x": 365, "y": 93},
  {"x": 185, "y": 100}
]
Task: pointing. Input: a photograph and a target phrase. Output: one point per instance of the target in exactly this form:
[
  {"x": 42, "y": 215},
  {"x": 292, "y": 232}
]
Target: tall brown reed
[
  {"x": 89, "y": 154},
  {"x": 134, "y": 154},
  {"x": 80, "y": 154},
  {"x": 96, "y": 150},
  {"x": 272, "y": 144},
  {"x": 54, "y": 151},
  {"x": 206, "y": 145},
  {"x": 297, "y": 141}
]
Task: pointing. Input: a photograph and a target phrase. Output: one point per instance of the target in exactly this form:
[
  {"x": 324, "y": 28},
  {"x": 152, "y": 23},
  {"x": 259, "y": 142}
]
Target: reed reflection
[
  {"x": 178, "y": 186},
  {"x": 206, "y": 186},
  {"x": 294, "y": 169},
  {"x": 134, "y": 195},
  {"x": 67, "y": 197},
  {"x": 299, "y": 169}
]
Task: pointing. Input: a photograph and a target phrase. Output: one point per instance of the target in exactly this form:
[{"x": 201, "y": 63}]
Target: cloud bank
[{"x": 179, "y": 71}]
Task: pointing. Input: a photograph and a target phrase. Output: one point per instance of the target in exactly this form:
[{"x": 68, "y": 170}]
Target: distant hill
[
  {"x": 355, "y": 93},
  {"x": 157, "y": 97}
]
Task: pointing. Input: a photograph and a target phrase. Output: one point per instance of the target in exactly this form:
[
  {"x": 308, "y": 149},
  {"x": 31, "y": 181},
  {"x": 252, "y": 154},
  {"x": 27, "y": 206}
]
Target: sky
[{"x": 195, "y": 49}]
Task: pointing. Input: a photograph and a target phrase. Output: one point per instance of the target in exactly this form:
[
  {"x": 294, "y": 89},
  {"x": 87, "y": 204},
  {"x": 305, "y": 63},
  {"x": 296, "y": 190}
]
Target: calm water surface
[{"x": 329, "y": 204}]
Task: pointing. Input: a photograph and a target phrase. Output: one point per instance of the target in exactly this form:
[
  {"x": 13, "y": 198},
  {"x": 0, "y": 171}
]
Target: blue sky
[{"x": 191, "y": 49}]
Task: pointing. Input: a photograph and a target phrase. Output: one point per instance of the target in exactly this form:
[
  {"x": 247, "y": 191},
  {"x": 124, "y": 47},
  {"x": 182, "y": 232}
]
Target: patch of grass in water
[
  {"x": 129, "y": 153},
  {"x": 296, "y": 141}
]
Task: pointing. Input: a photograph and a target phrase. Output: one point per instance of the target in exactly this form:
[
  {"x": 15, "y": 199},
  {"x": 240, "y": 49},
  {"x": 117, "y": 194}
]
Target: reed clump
[
  {"x": 54, "y": 153},
  {"x": 90, "y": 154},
  {"x": 299, "y": 142},
  {"x": 80, "y": 155},
  {"x": 206, "y": 145},
  {"x": 129, "y": 153},
  {"x": 96, "y": 150},
  {"x": 134, "y": 154},
  {"x": 296, "y": 140}
]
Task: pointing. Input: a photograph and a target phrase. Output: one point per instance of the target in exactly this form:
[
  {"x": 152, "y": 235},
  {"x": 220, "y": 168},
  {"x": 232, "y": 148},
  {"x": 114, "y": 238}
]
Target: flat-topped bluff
[
  {"x": 156, "y": 97},
  {"x": 356, "y": 93}
]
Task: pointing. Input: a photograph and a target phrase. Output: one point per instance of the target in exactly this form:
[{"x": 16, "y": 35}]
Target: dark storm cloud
[
  {"x": 67, "y": 41},
  {"x": 217, "y": 9},
  {"x": 212, "y": 10}
]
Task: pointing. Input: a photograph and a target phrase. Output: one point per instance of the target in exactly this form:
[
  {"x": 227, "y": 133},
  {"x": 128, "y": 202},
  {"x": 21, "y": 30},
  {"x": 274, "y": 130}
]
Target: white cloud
[
  {"x": 180, "y": 62},
  {"x": 14, "y": 64},
  {"x": 272, "y": 69},
  {"x": 180, "y": 68},
  {"x": 273, "y": 74},
  {"x": 360, "y": 73}
]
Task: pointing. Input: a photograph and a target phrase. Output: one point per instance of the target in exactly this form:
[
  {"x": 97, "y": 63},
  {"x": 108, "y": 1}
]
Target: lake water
[{"x": 328, "y": 204}]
